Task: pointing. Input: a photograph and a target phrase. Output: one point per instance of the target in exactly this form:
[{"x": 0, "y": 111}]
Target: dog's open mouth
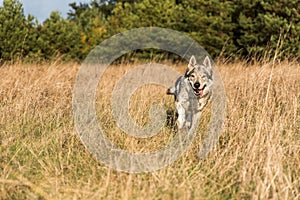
[{"x": 199, "y": 92}]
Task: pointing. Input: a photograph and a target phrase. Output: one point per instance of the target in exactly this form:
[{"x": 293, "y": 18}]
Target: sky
[{"x": 41, "y": 9}]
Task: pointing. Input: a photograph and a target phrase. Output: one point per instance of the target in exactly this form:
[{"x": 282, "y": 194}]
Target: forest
[{"x": 232, "y": 29}]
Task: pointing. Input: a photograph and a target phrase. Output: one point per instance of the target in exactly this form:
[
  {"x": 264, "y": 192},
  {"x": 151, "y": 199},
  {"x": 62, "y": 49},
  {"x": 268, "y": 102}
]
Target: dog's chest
[{"x": 185, "y": 96}]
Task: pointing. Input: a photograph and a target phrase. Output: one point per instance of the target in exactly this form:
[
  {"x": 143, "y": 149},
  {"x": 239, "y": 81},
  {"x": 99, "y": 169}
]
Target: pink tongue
[{"x": 200, "y": 92}]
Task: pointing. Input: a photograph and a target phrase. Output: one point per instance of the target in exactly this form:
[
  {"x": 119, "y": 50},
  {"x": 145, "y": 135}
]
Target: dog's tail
[{"x": 171, "y": 91}]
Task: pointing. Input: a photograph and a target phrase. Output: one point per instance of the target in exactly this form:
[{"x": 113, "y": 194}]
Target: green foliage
[
  {"x": 15, "y": 30},
  {"x": 166, "y": 14},
  {"x": 260, "y": 25},
  {"x": 60, "y": 37},
  {"x": 210, "y": 23},
  {"x": 91, "y": 24},
  {"x": 226, "y": 28}
]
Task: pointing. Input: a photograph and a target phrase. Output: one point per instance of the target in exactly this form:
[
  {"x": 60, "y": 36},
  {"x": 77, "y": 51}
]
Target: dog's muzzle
[{"x": 199, "y": 91}]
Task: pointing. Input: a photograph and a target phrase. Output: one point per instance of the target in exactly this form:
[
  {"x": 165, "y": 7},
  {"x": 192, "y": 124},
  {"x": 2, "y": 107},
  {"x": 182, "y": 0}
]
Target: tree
[
  {"x": 261, "y": 24},
  {"x": 60, "y": 37},
  {"x": 227, "y": 28},
  {"x": 208, "y": 22},
  {"x": 145, "y": 13},
  {"x": 15, "y": 31},
  {"x": 92, "y": 25}
]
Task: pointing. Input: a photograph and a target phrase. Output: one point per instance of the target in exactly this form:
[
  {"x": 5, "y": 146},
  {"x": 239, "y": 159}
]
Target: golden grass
[{"x": 256, "y": 157}]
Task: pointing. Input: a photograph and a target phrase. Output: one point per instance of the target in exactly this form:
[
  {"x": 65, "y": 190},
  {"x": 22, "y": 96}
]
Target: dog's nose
[{"x": 197, "y": 85}]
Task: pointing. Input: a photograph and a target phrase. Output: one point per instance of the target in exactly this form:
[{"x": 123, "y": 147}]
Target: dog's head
[{"x": 200, "y": 76}]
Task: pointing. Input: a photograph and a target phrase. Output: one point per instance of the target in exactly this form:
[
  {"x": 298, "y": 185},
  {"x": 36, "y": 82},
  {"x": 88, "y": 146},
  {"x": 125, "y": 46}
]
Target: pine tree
[
  {"x": 14, "y": 30},
  {"x": 260, "y": 24},
  {"x": 60, "y": 37},
  {"x": 92, "y": 25}
]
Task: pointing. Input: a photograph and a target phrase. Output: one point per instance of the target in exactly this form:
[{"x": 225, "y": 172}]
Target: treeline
[{"x": 235, "y": 29}]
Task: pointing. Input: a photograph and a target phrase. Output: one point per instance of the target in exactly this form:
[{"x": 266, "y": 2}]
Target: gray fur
[{"x": 192, "y": 92}]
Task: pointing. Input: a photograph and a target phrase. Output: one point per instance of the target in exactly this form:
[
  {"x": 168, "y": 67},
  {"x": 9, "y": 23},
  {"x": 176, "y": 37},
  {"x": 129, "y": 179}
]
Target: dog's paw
[
  {"x": 171, "y": 90},
  {"x": 188, "y": 125}
]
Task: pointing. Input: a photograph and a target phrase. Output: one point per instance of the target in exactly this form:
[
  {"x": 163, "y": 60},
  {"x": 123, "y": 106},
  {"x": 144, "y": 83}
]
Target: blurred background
[{"x": 231, "y": 29}]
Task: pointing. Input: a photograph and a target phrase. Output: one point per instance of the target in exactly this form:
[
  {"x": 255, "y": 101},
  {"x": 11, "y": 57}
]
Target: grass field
[{"x": 257, "y": 156}]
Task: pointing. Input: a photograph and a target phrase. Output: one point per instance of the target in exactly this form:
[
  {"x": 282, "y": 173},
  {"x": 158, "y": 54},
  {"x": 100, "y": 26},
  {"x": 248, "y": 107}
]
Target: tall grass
[{"x": 257, "y": 156}]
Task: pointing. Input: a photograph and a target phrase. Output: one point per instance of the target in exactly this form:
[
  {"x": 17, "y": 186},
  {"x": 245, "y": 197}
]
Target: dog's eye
[{"x": 192, "y": 76}]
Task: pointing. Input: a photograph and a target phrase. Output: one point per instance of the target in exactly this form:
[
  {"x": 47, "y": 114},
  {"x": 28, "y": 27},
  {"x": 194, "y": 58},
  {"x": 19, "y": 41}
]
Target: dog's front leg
[
  {"x": 181, "y": 115},
  {"x": 189, "y": 120}
]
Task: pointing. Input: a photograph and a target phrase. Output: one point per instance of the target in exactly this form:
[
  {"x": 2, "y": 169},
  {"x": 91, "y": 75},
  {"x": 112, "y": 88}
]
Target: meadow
[{"x": 256, "y": 157}]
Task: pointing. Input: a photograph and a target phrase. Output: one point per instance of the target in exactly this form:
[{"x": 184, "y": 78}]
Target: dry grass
[{"x": 256, "y": 157}]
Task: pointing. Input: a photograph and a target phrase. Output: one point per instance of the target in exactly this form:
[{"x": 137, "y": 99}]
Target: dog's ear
[
  {"x": 192, "y": 63},
  {"x": 207, "y": 64}
]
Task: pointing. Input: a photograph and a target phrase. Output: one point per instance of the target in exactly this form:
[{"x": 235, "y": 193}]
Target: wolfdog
[{"x": 192, "y": 92}]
